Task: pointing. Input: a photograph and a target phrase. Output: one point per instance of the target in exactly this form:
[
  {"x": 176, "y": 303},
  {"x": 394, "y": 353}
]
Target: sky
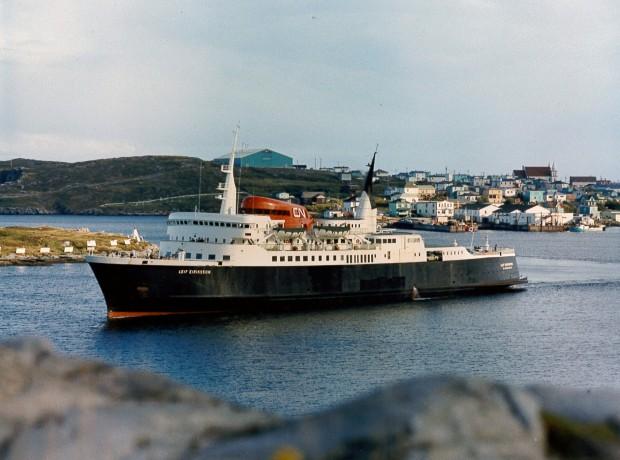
[{"x": 469, "y": 85}]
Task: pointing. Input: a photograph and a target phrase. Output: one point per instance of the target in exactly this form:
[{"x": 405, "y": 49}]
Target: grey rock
[
  {"x": 55, "y": 407},
  {"x": 429, "y": 418},
  {"x": 580, "y": 423}
]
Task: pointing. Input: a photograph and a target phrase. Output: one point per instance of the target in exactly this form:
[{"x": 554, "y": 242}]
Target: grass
[{"x": 34, "y": 238}]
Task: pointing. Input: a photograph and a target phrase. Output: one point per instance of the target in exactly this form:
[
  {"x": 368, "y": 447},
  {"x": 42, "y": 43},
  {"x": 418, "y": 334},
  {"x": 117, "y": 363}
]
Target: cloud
[
  {"x": 59, "y": 148},
  {"x": 471, "y": 84}
]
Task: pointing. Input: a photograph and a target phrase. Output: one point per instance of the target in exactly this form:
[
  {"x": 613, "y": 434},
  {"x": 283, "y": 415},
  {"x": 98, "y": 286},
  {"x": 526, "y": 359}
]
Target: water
[{"x": 562, "y": 330}]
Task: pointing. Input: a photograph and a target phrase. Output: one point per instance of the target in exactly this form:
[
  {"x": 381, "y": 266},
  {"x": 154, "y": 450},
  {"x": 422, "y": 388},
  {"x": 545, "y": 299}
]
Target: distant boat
[{"x": 586, "y": 228}]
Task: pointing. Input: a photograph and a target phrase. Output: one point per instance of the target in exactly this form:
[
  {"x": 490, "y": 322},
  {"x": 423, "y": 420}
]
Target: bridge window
[
  {"x": 188, "y": 255},
  {"x": 198, "y": 256},
  {"x": 211, "y": 256},
  {"x": 305, "y": 258},
  {"x": 282, "y": 258},
  {"x": 290, "y": 258},
  {"x": 327, "y": 258},
  {"x": 297, "y": 258},
  {"x": 312, "y": 258},
  {"x": 274, "y": 258},
  {"x": 320, "y": 258},
  {"x": 226, "y": 258}
]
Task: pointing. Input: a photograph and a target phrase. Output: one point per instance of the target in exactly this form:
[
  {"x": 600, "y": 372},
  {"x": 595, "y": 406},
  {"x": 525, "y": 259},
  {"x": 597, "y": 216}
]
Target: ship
[{"x": 272, "y": 255}]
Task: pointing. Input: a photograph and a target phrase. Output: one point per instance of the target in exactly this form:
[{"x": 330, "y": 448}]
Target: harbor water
[{"x": 562, "y": 329}]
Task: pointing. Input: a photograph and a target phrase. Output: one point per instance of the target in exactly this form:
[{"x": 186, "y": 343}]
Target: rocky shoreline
[
  {"x": 41, "y": 260},
  {"x": 57, "y": 407}
]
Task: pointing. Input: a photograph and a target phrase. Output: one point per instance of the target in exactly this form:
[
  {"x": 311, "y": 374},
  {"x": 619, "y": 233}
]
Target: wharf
[
  {"x": 525, "y": 228},
  {"x": 452, "y": 227}
]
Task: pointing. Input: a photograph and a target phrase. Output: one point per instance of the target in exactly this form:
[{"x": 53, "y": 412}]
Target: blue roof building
[{"x": 258, "y": 158}]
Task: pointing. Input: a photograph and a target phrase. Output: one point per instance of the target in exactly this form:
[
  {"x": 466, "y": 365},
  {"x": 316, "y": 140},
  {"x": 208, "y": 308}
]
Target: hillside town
[{"x": 531, "y": 198}]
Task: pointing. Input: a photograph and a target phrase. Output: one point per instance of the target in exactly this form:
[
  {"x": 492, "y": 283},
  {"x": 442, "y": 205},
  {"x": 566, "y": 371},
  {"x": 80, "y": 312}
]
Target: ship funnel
[{"x": 365, "y": 212}]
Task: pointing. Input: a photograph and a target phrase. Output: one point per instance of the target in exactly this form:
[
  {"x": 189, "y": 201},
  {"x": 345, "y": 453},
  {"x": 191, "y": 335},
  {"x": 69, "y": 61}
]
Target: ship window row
[
  {"x": 328, "y": 258},
  {"x": 350, "y": 259},
  {"x": 198, "y": 256},
  {"x": 209, "y": 223},
  {"x": 382, "y": 240},
  {"x": 361, "y": 258}
]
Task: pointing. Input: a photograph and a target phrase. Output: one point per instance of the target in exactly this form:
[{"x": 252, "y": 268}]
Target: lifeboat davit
[{"x": 293, "y": 215}]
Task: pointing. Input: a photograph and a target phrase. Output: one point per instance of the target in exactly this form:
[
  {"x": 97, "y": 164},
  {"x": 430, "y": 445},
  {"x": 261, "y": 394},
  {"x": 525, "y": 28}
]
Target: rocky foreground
[{"x": 56, "y": 407}]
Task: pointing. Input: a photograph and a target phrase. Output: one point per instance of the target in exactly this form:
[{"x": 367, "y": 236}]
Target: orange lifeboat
[{"x": 293, "y": 215}]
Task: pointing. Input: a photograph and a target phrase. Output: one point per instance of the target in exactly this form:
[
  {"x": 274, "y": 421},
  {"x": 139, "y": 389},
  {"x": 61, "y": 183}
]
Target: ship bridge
[{"x": 218, "y": 228}]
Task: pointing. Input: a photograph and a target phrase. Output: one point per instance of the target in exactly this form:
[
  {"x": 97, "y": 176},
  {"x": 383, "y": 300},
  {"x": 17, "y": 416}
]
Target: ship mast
[{"x": 228, "y": 188}]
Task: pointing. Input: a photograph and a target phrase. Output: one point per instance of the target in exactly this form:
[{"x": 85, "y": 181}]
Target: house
[
  {"x": 412, "y": 192},
  {"x": 553, "y": 196},
  {"x": 510, "y": 192},
  {"x": 511, "y": 214},
  {"x": 381, "y": 173},
  {"x": 439, "y": 211},
  {"x": 258, "y": 158},
  {"x": 479, "y": 181},
  {"x": 582, "y": 181},
  {"x": 399, "y": 208},
  {"x": 350, "y": 205},
  {"x": 475, "y": 212},
  {"x": 463, "y": 179},
  {"x": 313, "y": 198},
  {"x": 546, "y": 173},
  {"x": 502, "y": 182},
  {"x": 534, "y": 196},
  {"x": 610, "y": 214},
  {"x": 284, "y": 196},
  {"x": 417, "y": 176},
  {"x": 437, "y": 178},
  {"x": 494, "y": 195},
  {"x": 467, "y": 197},
  {"x": 589, "y": 207}
]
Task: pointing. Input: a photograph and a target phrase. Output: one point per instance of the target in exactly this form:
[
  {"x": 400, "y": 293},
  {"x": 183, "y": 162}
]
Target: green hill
[{"x": 141, "y": 185}]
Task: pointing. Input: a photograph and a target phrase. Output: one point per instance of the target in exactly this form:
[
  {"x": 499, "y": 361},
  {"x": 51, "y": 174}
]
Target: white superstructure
[{"x": 228, "y": 238}]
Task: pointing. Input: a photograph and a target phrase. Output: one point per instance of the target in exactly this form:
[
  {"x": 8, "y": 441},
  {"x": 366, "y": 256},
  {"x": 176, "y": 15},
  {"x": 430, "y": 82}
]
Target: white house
[
  {"x": 412, "y": 192},
  {"x": 475, "y": 212},
  {"x": 509, "y": 192},
  {"x": 520, "y": 215},
  {"x": 440, "y": 211},
  {"x": 610, "y": 214},
  {"x": 468, "y": 197},
  {"x": 350, "y": 205}
]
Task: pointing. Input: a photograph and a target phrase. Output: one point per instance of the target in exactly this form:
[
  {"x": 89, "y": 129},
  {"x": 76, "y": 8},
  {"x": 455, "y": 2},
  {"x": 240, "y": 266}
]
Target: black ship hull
[{"x": 132, "y": 290}]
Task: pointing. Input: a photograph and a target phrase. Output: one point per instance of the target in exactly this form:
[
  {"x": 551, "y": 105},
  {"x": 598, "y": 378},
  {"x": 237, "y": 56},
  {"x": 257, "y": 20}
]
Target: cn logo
[{"x": 299, "y": 212}]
